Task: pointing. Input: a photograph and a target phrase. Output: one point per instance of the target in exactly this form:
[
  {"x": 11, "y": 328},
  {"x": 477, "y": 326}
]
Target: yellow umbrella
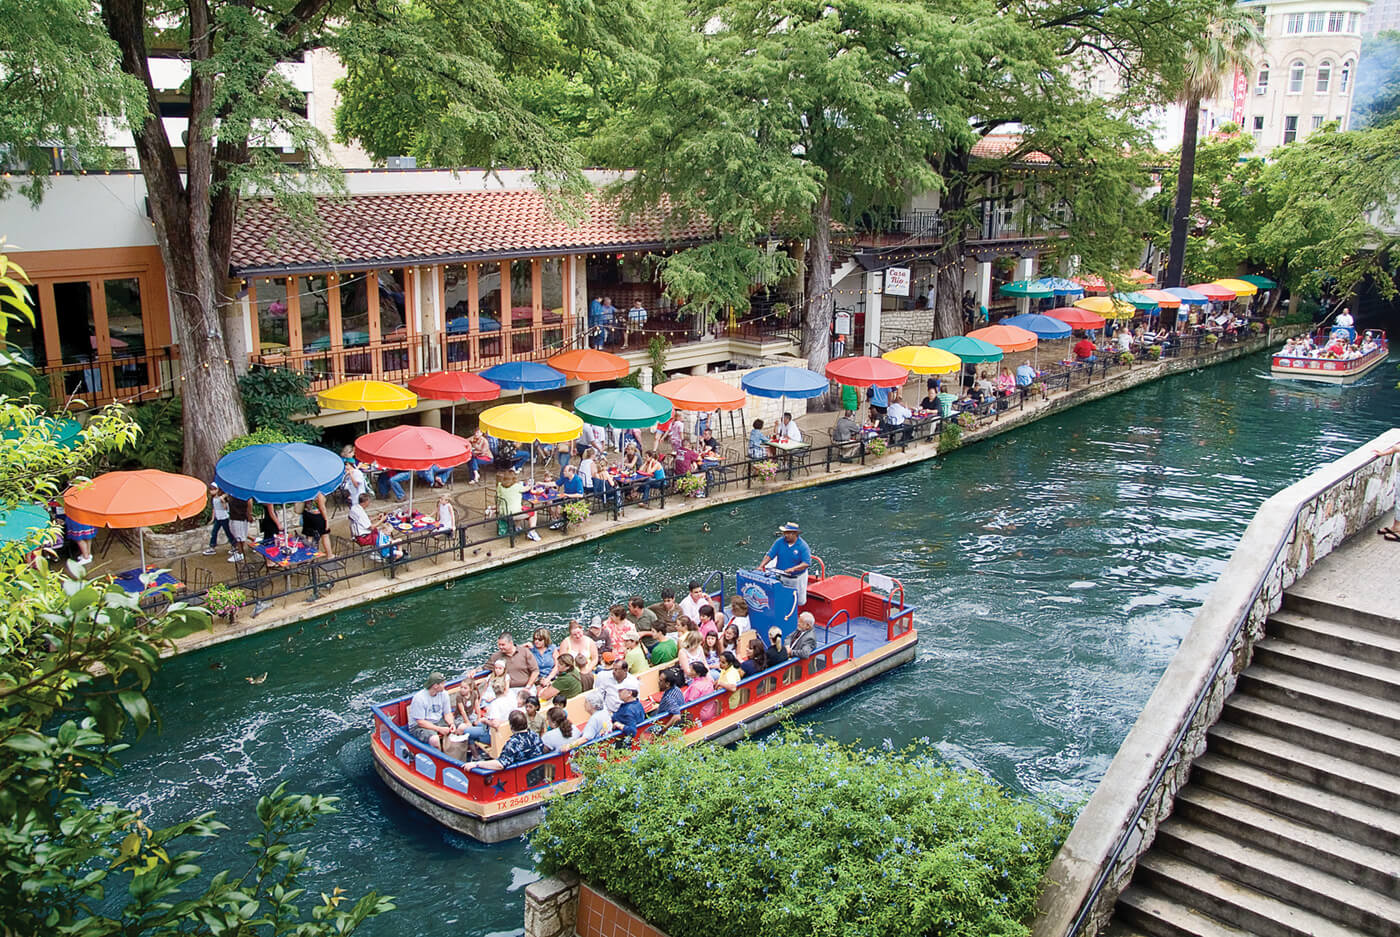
[
  {"x": 1241, "y": 287},
  {"x": 1107, "y": 307},
  {"x": 531, "y": 422},
  {"x": 369, "y": 396},
  {"x": 921, "y": 359}
]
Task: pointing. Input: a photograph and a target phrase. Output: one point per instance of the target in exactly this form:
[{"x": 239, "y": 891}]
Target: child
[
  {"x": 386, "y": 544},
  {"x": 218, "y": 502},
  {"x": 446, "y": 515}
]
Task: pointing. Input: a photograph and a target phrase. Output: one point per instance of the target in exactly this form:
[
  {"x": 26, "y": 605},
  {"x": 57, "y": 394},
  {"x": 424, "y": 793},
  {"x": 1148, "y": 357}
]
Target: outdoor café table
[
  {"x": 417, "y": 523},
  {"x": 130, "y": 580},
  {"x": 286, "y": 555}
]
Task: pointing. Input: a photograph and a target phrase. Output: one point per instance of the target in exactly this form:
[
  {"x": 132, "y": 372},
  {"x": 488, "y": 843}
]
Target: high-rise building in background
[{"x": 1384, "y": 16}]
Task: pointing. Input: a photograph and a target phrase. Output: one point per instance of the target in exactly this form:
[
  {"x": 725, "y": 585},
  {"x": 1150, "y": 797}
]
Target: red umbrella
[
  {"x": 862, "y": 371},
  {"x": 1214, "y": 292},
  {"x": 455, "y": 386},
  {"x": 412, "y": 449},
  {"x": 1092, "y": 284},
  {"x": 1076, "y": 318}
]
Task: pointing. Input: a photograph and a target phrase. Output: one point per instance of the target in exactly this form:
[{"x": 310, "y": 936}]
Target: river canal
[{"x": 1055, "y": 568}]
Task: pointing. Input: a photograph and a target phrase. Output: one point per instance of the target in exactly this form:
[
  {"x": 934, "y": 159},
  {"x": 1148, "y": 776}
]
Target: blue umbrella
[
  {"x": 280, "y": 473},
  {"x": 785, "y": 381},
  {"x": 1190, "y": 297},
  {"x": 63, "y": 433},
  {"x": 523, "y": 376},
  {"x": 1060, "y": 285},
  {"x": 1042, "y": 326}
]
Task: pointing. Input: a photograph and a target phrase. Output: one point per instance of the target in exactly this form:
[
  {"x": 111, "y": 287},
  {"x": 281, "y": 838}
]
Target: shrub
[
  {"x": 1154, "y": 352},
  {"x": 262, "y": 437},
  {"x": 765, "y": 469},
  {"x": 1212, "y": 338},
  {"x": 690, "y": 485},
  {"x": 1256, "y": 328},
  {"x": 796, "y": 836},
  {"x": 876, "y": 447},
  {"x": 160, "y": 443},
  {"x": 631, "y": 380},
  {"x": 950, "y": 438},
  {"x": 223, "y": 599},
  {"x": 272, "y": 397},
  {"x": 577, "y": 511},
  {"x": 967, "y": 420}
]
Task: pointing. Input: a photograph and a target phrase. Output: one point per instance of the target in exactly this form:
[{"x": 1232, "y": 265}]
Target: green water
[{"x": 1055, "y": 570}]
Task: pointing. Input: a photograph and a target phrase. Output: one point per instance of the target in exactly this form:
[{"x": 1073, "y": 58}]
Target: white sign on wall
[{"x": 897, "y": 281}]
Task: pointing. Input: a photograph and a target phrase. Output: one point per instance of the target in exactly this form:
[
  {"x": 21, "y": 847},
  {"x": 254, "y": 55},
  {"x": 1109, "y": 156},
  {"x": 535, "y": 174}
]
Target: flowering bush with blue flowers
[{"x": 796, "y": 835}]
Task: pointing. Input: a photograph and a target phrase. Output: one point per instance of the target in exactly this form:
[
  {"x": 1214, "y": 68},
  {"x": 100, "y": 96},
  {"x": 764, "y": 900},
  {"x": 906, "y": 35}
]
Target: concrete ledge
[{"x": 1290, "y": 532}]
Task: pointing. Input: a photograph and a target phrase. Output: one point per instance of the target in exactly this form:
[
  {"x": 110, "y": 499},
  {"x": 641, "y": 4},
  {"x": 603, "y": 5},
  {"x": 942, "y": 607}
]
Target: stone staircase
[{"x": 1290, "y": 824}]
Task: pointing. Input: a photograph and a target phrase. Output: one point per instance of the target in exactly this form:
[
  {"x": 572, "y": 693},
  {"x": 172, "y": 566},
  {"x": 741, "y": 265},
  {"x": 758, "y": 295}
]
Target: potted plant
[
  {"x": 690, "y": 485},
  {"x": 225, "y": 600},
  {"x": 1126, "y": 358},
  {"x": 1212, "y": 338},
  {"x": 1256, "y": 328},
  {"x": 876, "y": 447},
  {"x": 1040, "y": 389},
  {"x": 1154, "y": 352},
  {"x": 967, "y": 420},
  {"x": 766, "y": 469},
  {"x": 577, "y": 511}
]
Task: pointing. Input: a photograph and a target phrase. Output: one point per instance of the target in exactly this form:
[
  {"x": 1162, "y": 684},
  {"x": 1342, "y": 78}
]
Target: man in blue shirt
[
  {"x": 630, "y": 714},
  {"x": 790, "y": 556},
  {"x": 1025, "y": 375},
  {"x": 595, "y": 322},
  {"x": 879, "y": 398},
  {"x": 571, "y": 485}
]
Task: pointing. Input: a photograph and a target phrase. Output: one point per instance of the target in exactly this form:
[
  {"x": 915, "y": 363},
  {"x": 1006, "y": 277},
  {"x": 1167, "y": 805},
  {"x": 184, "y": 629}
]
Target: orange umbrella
[
  {"x": 587, "y": 364},
  {"x": 1092, "y": 284},
  {"x": 1139, "y": 276},
  {"x": 1006, "y": 337},
  {"x": 135, "y": 499},
  {"x": 701, "y": 394}
]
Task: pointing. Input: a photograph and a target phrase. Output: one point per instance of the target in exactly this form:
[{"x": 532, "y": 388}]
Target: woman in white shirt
[
  {"x": 599, "y": 721},
  {"x": 560, "y": 734}
]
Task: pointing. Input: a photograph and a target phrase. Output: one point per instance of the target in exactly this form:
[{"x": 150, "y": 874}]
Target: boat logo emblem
[{"x": 756, "y": 597}]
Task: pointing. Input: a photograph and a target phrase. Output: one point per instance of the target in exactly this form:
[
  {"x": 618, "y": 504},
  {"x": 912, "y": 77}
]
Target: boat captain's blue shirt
[{"x": 789, "y": 556}]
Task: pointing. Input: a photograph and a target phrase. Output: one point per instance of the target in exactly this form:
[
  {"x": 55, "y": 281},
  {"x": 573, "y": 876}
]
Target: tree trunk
[
  {"x": 1185, "y": 176},
  {"x": 948, "y": 262},
  {"x": 816, "y": 324},
  {"x": 193, "y": 239}
]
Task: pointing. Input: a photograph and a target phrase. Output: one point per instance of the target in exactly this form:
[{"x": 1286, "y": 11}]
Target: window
[
  {"x": 1344, "y": 81},
  {"x": 1258, "y": 132},
  {"x": 1316, "y": 21},
  {"x": 1335, "y": 21},
  {"x": 1324, "y": 76},
  {"x": 1353, "y": 22},
  {"x": 273, "y": 329},
  {"x": 1316, "y": 121},
  {"x": 1261, "y": 81},
  {"x": 1293, "y": 23},
  {"x": 1295, "y": 77},
  {"x": 1290, "y": 129}
]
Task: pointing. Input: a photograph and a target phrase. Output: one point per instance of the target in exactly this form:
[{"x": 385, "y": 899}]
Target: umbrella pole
[
  {"x": 141, "y": 545},
  {"x": 411, "y": 475}
]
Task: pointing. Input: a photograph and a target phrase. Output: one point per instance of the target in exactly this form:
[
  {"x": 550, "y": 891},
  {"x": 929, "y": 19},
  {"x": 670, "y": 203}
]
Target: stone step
[
  {"x": 1320, "y": 608},
  {"x": 1337, "y": 775},
  {"x": 1363, "y": 865},
  {"x": 1156, "y": 915},
  {"x": 1337, "y": 637},
  {"x": 1310, "y": 730},
  {"x": 1290, "y": 882},
  {"x": 1368, "y": 825},
  {"x": 1358, "y": 709},
  {"x": 1336, "y": 669},
  {"x": 1232, "y": 903}
]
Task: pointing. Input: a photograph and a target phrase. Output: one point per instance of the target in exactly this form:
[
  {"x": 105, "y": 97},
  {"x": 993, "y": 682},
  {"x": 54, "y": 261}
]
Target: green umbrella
[
  {"x": 21, "y": 522},
  {"x": 623, "y": 408},
  {"x": 1264, "y": 283},
  {"x": 1031, "y": 289},
  {"x": 970, "y": 350},
  {"x": 1136, "y": 300},
  {"x": 351, "y": 338},
  {"x": 62, "y": 433}
]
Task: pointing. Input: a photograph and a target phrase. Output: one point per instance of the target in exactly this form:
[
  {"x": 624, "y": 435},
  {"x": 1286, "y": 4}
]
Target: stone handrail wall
[{"x": 1291, "y": 531}]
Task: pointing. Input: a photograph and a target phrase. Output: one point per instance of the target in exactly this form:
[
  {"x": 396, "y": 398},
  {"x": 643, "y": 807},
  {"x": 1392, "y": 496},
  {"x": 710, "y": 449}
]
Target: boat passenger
[
  {"x": 522, "y": 745},
  {"x": 670, "y": 710},
  {"x": 502, "y": 702},
  {"x": 707, "y": 622},
  {"x": 616, "y": 626},
  {"x": 566, "y": 683},
  {"x": 790, "y": 556},
  {"x": 560, "y": 734},
  {"x": 542, "y": 647},
  {"x": 644, "y": 620},
  {"x": 667, "y": 610},
  {"x": 804, "y": 639},
  {"x": 469, "y": 721},
  {"x": 600, "y": 638},
  {"x": 531, "y": 705},
  {"x": 757, "y": 660},
  {"x": 581, "y": 647},
  {"x": 430, "y": 717},
  {"x": 776, "y": 653},
  {"x": 599, "y": 721},
  {"x": 710, "y": 650},
  {"x": 701, "y": 685},
  {"x": 521, "y": 665},
  {"x": 739, "y": 613},
  {"x": 610, "y": 681},
  {"x": 629, "y": 714},
  {"x": 664, "y": 651},
  {"x": 729, "y": 640},
  {"x": 758, "y": 442},
  {"x": 635, "y": 658},
  {"x": 696, "y": 597}
]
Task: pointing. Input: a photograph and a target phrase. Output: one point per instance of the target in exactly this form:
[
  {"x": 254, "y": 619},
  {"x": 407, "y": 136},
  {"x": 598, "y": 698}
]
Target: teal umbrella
[
  {"x": 1136, "y": 300},
  {"x": 970, "y": 350},
  {"x": 21, "y": 522},
  {"x": 63, "y": 433},
  {"x": 1264, "y": 283},
  {"x": 351, "y": 338},
  {"x": 623, "y": 408},
  {"x": 1031, "y": 289}
]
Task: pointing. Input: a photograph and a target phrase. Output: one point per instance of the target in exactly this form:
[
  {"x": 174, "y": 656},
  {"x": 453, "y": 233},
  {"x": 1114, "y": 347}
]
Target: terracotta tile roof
[
  {"x": 998, "y": 146},
  {"x": 434, "y": 227}
]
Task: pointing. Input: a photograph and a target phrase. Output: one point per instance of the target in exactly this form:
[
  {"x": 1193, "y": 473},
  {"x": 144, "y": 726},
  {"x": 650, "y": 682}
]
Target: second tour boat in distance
[
  {"x": 1331, "y": 357},
  {"x": 864, "y": 629}
]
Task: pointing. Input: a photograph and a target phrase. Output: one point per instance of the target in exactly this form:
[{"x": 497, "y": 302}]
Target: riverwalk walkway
[
  {"x": 358, "y": 580},
  {"x": 1290, "y": 822}
]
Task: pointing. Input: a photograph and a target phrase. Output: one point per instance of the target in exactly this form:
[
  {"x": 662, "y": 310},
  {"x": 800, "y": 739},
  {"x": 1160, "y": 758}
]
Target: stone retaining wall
[
  {"x": 1291, "y": 531},
  {"x": 565, "y": 907}
]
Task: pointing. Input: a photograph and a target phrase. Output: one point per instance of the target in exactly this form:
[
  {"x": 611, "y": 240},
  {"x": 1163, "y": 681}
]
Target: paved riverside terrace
[
  {"x": 477, "y": 557},
  {"x": 1290, "y": 823}
]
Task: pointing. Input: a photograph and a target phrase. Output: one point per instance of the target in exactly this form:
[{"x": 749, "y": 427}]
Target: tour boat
[
  {"x": 1331, "y": 370},
  {"x": 864, "y": 629}
]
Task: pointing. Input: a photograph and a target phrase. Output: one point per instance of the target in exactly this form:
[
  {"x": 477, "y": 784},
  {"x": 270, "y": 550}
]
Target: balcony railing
[{"x": 97, "y": 381}]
